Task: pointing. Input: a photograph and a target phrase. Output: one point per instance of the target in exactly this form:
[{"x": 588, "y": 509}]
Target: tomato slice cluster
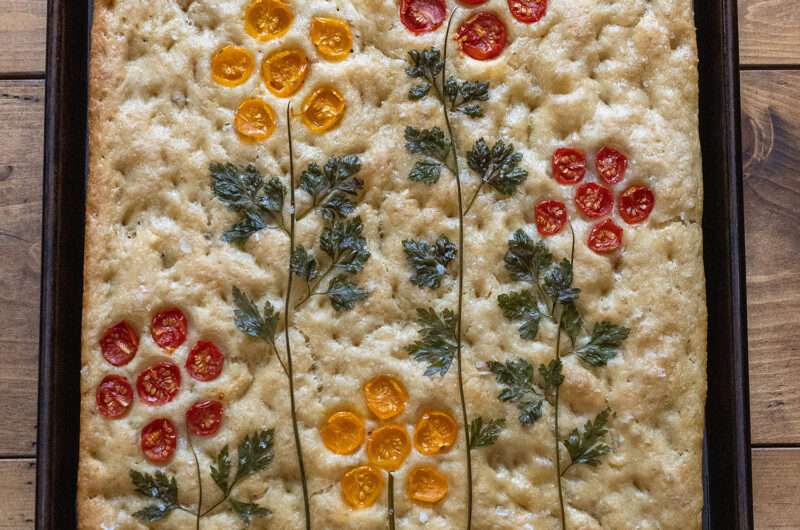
[{"x": 482, "y": 36}]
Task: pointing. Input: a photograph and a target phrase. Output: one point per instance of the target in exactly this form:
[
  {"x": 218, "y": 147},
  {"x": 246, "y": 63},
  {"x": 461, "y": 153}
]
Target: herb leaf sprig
[{"x": 429, "y": 261}]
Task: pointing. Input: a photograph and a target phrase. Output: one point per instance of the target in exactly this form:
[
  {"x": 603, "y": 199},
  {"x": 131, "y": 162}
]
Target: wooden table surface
[{"x": 769, "y": 33}]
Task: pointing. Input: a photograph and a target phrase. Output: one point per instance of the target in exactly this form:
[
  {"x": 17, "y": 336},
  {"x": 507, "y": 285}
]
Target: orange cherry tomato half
[
  {"x": 159, "y": 383},
  {"x": 331, "y": 37},
  {"x": 114, "y": 396},
  {"x": 527, "y": 11},
  {"x": 231, "y": 66},
  {"x": 426, "y": 484},
  {"x": 385, "y": 396},
  {"x": 267, "y": 19},
  {"x": 284, "y": 71},
  {"x": 636, "y": 203},
  {"x": 322, "y": 109},
  {"x": 119, "y": 344},
  {"x": 605, "y": 236},
  {"x": 551, "y": 216},
  {"x": 422, "y": 16},
  {"x": 594, "y": 200},
  {"x": 205, "y": 361},
  {"x": 482, "y": 36},
  {"x": 388, "y": 446},
  {"x": 159, "y": 440},
  {"x": 435, "y": 431},
  {"x": 569, "y": 165},
  {"x": 204, "y": 418},
  {"x": 254, "y": 119},
  {"x": 168, "y": 329},
  {"x": 610, "y": 164},
  {"x": 361, "y": 486},
  {"x": 344, "y": 433}
]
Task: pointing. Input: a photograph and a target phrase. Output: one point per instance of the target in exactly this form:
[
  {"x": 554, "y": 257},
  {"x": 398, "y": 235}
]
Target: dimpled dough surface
[{"x": 589, "y": 73}]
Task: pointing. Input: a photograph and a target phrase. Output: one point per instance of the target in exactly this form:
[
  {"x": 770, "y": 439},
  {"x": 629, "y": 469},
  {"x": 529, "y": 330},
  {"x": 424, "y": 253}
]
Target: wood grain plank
[
  {"x": 23, "y": 25},
  {"x": 769, "y": 32},
  {"x": 17, "y": 493},
  {"x": 21, "y": 122},
  {"x": 771, "y": 145},
  {"x": 776, "y": 488}
]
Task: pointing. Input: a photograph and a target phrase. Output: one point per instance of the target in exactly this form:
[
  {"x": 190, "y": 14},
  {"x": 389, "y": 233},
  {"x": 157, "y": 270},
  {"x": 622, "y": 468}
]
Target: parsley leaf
[
  {"x": 521, "y": 305},
  {"x": 343, "y": 294},
  {"x": 552, "y": 373},
  {"x": 526, "y": 260},
  {"x": 345, "y": 245},
  {"x": 330, "y": 185},
  {"x": 437, "y": 344},
  {"x": 604, "y": 344},
  {"x": 431, "y": 143},
  {"x": 222, "y": 470},
  {"x": 558, "y": 283},
  {"x": 571, "y": 321},
  {"x": 517, "y": 378},
  {"x": 484, "y": 435},
  {"x": 583, "y": 447},
  {"x": 303, "y": 264},
  {"x": 160, "y": 487},
  {"x": 497, "y": 166},
  {"x": 244, "y": 191},
  {"x": 247, "y": 510},
  {"x": 429, "y": 261},
  {"x": 462, "y": 95},
  {"x": 426, "y": 65},
  {"x": 254, "y": 454},
  {"x": 251, "y": 322}
]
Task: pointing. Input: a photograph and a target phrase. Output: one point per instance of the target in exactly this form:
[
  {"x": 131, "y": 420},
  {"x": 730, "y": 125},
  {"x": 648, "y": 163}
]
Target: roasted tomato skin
[
  {"x": 422, "y": 16},
  {"x": 635, "y": 204},
  {"x": 611, "y": 165},
  {"x": 606, "y": 236},
  {"x": 482, "y": 36},
  {"x": 527, "y": 11},
  {"x": 159, "y": 383},
  {"x": 569, "y": 165},
  {"x": 204, "y": 418},
  {"x": 168, "y": 329},
  {"x": 594, "y": 200},
  {"x": 551, "y": 216},
  {"x": 159, "y": 440},
  {"x": 119, "y": 344},
  {"x": 114, "y": 396},
  {"x": 205, "y": 361}
]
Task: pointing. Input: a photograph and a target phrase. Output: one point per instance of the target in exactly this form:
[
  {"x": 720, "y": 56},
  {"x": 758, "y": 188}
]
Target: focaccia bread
[{"x": 179, "y": 243}]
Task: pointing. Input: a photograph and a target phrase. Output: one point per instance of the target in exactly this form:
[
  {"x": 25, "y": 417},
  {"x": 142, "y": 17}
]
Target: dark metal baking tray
[{"x": 728, "y": 498}]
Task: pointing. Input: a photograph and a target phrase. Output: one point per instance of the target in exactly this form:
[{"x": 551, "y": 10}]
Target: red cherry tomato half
[
  {"x": 527, "y": 10},
  {"x": 594, "y": 200},
  {"x": 204, "y": 417},
  {"x": 114, "y": 396},
  {"x": 550, "y": 217},
  {"x": 569, "y": 165},
  {"x": 159, "y": 383},
  {"x": 611, "y": 165},
  {"x": 482, "y": 36},
  {"x": 159, "y": 439},
  {"x": 605, "y": 236},
  {"x": 168, "y": 329},
  {"x": 119, "y": 344},
  {"x": 635, "y": 204},
  {"x": 205, "y": 361},
  {"x": 422, "y": 16}
]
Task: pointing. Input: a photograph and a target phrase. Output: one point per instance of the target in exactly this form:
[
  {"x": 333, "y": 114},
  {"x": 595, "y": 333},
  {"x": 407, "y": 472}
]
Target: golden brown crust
[{"x": 587, "y": 75}]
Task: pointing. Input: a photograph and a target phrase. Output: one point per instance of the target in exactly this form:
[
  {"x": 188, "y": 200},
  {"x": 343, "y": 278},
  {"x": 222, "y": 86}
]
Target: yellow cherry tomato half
[
  {"x": 344, "y": 433},
  {"x": 361, "y": 486},
  {"x": 267, "y": 19},
  {"x": 426, "y": 484},
  {"x": 332, "y": 38},
  {"x": 322, "y": 109},
  {"x": 284, "y": 71},
  {"x": 386, "y": 396},
  {"x": 231, "y": 66},
  {"x": 435, "y": 430},
  {"x": 255, "y": 119},
  {"x": 388, "y": 446}
]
